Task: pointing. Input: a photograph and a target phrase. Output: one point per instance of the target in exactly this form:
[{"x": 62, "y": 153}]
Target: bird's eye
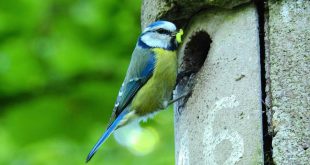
[{"x": 162, "y": 31}]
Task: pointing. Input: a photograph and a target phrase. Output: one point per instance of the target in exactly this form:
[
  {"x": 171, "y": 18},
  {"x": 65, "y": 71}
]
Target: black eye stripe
[{"x": 163, "y": 31}]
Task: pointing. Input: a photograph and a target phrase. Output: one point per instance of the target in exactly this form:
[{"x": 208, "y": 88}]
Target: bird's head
[{"x": 160, "y": 34}]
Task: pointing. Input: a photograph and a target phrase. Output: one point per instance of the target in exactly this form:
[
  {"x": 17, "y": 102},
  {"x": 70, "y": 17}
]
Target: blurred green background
[{"x": 61, "y": 65}]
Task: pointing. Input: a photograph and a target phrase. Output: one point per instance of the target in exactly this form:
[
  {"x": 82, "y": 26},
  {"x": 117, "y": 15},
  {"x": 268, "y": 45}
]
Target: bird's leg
[
  {"x": 168, "y": 103},
  {"x": 187, "y": 94}
]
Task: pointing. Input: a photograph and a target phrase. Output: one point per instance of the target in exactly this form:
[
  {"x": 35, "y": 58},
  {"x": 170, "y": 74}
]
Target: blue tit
[{"x": 150, "y": 78}]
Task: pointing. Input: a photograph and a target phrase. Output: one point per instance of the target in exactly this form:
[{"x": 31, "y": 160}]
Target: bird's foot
[{"x": 184, "y": 87}]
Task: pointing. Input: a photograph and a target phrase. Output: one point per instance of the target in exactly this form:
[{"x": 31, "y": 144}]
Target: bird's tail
[{"x": 107, "y": 133}]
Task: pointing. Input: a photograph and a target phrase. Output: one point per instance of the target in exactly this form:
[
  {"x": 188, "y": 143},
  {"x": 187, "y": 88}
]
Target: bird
[{"x": 150, "y": 78}]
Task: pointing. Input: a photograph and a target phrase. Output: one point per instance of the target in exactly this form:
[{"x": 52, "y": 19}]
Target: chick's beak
[{"x": 179, "y": 36}]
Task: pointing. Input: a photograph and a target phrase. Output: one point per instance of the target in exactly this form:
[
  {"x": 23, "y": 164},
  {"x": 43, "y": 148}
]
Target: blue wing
[{"x": 140, "y": 70}]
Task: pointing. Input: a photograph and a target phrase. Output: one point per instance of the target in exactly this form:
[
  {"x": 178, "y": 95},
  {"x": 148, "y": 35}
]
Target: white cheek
[{"x": 155, "y": 40}]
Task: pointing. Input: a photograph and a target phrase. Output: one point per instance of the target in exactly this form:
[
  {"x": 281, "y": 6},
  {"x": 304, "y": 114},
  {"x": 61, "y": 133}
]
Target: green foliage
[{"x": 61, "y": 65}]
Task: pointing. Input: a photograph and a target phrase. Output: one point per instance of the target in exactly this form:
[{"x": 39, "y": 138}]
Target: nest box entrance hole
[{"x": 196, "y": 51}]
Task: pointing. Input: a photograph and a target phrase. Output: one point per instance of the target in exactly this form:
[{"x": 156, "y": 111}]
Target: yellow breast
[{"x": 159, "y": 87}]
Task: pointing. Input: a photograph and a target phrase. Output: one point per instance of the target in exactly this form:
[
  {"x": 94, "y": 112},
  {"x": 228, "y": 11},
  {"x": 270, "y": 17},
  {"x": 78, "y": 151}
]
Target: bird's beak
[{"x": 173, "y": 34}]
